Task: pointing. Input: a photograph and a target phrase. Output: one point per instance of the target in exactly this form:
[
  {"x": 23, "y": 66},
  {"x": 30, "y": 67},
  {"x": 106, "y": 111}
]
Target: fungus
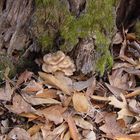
[{"x": 58, "y": 62}]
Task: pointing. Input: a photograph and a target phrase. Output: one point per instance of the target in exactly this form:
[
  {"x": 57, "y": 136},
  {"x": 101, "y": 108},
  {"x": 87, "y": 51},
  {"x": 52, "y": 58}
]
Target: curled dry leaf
[
  {"x": 52, "y": 80},
  {"x": 19, "y": 134},
  {"x": 80, "y": 102},
  {"x": 58, "y": 62}
]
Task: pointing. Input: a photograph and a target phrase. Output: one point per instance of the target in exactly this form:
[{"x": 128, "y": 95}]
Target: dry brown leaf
[
  {"x": 30, "y": 116},
  {"x": 89, "y": 135},
  {"x": 52, "y": 80},
  {"x": 67, "y": 136},
  {"x": 82, "y": 123},
  {"x": 72, "y": 128},
  {"x": 119, "y": 79},
  {"x": 37, "y": 136},
  {"x": 80, "y": 102},
  {"x": 53, "y": 113},
  {"x": 32, "y": 87},
  {"x": 55, "y": 133},
  {"x": 6, "y": 93},
  {"x": 26, "y": 75},
  {"x": 19, "y": 134},
  {"x": 127, "y": 138},
  {"x": 34, "y": 129},
  {"x": 111, "y": 127},
  {"x": 47, "y": 93},
  {"x": 20, "y": 105},
  {"x": 134, "y": 106},
  {"x": 122, "y": 105},
  {"x": 38, "y": 101},
  {"x": 81, "y": 85},
  {"x": 116, "y": 91}
]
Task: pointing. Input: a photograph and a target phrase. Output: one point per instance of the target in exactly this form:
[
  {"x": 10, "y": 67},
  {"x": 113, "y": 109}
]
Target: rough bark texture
[{"x": 14, "y": 24}]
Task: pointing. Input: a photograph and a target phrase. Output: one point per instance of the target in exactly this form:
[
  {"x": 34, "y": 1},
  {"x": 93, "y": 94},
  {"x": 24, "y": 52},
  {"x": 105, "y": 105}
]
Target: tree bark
[{"x": 15, "y": 16}]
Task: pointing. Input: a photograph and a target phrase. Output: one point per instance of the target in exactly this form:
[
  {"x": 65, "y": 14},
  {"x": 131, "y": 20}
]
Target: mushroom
[
  {"x": 49, "y": 68},
  {"x": 54, "y": 58},
  {"x": 58, "y": 62}
]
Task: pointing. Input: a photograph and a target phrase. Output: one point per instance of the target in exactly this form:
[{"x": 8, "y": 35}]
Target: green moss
[{"x": 97, "y": 20}]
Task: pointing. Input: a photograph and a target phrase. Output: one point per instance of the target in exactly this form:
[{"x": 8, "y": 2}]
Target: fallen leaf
[
  {"x": 47, "y": 93},
  {"x": 37, "y": 136},
  {"x": 38, "y": 101},
  {"x": 119, "y": 79},
  {"x": 89, "y": 135},
  {"x": 127, "y": 138},
  {"x": 111, "y": 127},
  {"x": 80, "y": 102},
  {"x": 34, "y": 129},
  {"x": 6, "y": 93},
  {"x": 32, "y": 87},
  {"x": 81, "y": 85},
  {"x": 67, "y": 136},
  {"x": 52, "y": 80},
  {"x": 134, "y": 106},
  {"x": 19, "y": 105},
  {"x": 82, "y": 123},
  {"x": 122, "y": 105},
  {"x": 24, "y": 77},
  {"x": 30, "y": 116},
  {"x": 53, "y": 113},
  {"x": 19, "y": 134},
  {"x": 72, "y": 128}
]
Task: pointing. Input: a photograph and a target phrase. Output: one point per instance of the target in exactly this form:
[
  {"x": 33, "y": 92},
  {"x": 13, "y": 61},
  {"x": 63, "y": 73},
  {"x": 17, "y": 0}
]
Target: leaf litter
[{"x": 60, "y": 105}]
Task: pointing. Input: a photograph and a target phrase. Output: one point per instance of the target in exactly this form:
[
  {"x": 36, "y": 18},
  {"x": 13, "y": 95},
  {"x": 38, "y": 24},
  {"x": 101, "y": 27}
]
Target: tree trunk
[{"x": 15, "y": 17}]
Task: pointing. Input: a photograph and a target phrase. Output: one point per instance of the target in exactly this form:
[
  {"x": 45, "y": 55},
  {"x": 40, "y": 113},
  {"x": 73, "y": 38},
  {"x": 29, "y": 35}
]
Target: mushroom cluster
[{"x": 58, "y": 62}]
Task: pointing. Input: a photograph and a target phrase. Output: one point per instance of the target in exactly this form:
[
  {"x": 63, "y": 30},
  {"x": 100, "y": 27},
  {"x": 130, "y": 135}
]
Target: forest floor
[
  {"x": 58, "y": 103},
  {"x": 61, "y": 105}
]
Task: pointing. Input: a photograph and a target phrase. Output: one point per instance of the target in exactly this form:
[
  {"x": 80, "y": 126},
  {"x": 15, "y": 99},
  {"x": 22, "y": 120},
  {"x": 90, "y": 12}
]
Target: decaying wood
[
  {"x": 84, "y": 55},
  {"x": 14, "y": 24}
]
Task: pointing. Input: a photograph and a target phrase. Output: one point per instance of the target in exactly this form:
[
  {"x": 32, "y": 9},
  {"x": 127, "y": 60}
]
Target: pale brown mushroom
[
  {"x": 49, "y": 68},
  {"x": 58, "y": 62},
  {"x": 54, "y": 58}
]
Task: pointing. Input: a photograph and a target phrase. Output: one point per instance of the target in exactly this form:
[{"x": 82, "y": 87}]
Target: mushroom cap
[
  {"x": 67, "y": 62},
  {"x": 54, "y": 59},
  {"x": 49, "y": 68}
]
